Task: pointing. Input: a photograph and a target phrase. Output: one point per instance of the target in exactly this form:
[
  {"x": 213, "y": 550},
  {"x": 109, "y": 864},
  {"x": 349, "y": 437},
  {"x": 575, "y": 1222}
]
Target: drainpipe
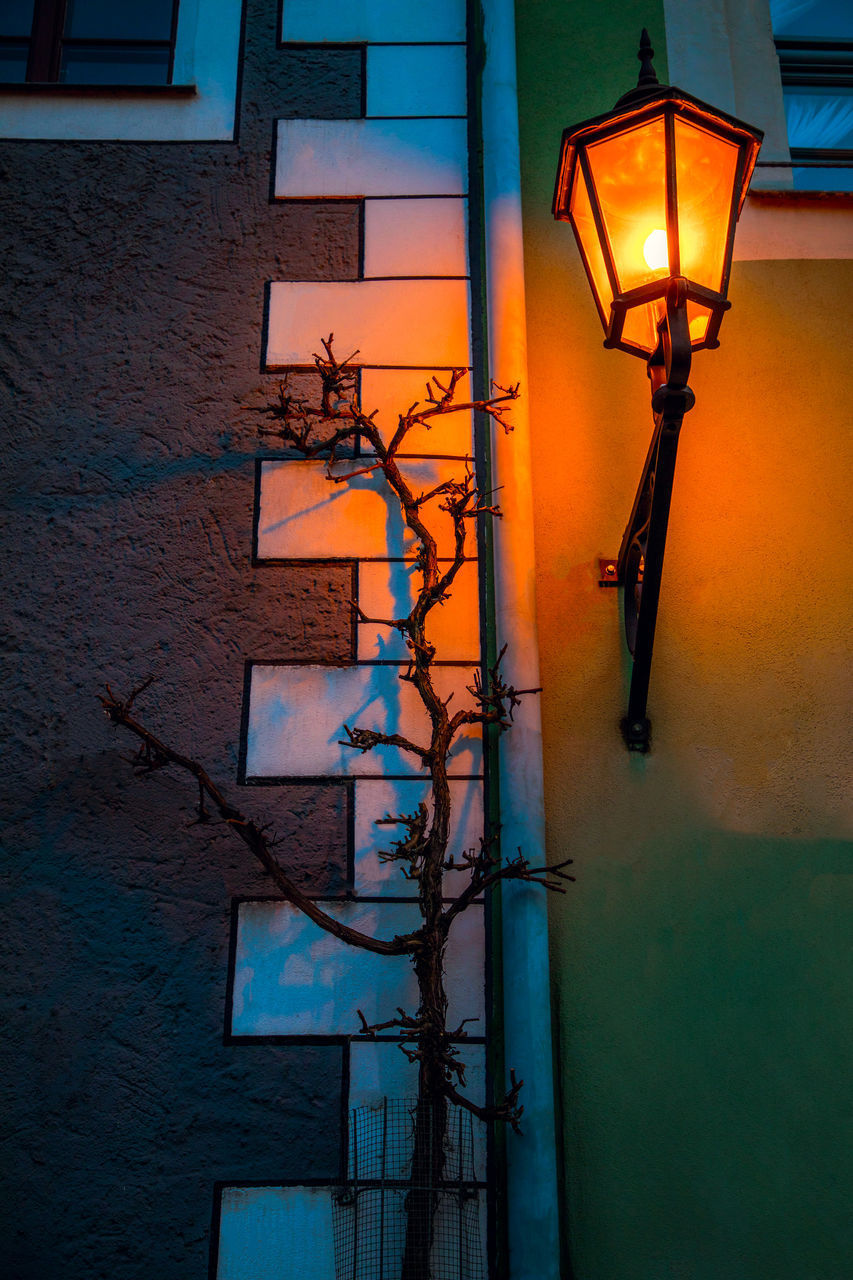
[{"x": 532, "y": 1208}]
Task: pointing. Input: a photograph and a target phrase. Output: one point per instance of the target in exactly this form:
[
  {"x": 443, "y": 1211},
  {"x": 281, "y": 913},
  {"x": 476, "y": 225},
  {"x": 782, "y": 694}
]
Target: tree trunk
[{"x": 428, "y": 1157}]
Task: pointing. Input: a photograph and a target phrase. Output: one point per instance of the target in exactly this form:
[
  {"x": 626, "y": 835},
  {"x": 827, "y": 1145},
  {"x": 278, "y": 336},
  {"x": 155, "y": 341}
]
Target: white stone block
[
  {"x": 417, "y": 80},
  {"x": 292, "y": 978},
  {"x": 364, "y": 21},
  {"x": 394, "y": 391},
  {"x": 297, "y": 716},
  {"x": 276, "y": 1233},
  {"x": 376, "y": 797},
  {"x": 416, "y": 237},
  {"x": 303, "y": 515},
  {"x": 350, "y": 158},
  {"x": 386, "y": 589},
  {"x": 381, "y": 1070},
  {"x": 410, "y": 323}
]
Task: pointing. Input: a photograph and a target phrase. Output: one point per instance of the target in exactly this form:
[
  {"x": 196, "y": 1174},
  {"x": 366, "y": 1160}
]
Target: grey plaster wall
[{"x": 132, "y": 330}]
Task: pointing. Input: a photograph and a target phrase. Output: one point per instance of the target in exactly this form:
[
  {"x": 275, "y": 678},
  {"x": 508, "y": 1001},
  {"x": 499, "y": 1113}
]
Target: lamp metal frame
[{"x": 639, "y": 565}]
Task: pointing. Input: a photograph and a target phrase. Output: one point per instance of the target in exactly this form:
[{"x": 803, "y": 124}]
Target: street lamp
[{"x": 653, "y": 191}]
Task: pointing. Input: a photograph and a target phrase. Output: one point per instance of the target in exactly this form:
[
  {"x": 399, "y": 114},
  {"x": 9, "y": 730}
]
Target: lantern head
[{"x": 653, "y": 191}]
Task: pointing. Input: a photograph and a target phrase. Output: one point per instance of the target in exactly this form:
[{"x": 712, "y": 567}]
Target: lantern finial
[
  {"x": 646, "y": 53},
  {"x": 648, "y": 86}
]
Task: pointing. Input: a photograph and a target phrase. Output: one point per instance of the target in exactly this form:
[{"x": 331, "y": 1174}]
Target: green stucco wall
[{"x": 702, "y": 962}]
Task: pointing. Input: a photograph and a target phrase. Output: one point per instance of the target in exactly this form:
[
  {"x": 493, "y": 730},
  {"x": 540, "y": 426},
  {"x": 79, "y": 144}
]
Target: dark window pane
[
  {"x": 13, "y": 63},
  {"x": 16, "y": 17},
  {"x": 119, "y": 19},
  {"x": 817, "y": 19},
  {"x": 815, "y": 179},
  {"x": 88, "y": 65},
  {"x": 819, "y": 117}
]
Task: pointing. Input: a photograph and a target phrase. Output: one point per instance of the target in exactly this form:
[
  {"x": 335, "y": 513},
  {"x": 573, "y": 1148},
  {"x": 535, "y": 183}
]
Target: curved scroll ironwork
[{"x": 640, "y": 563}]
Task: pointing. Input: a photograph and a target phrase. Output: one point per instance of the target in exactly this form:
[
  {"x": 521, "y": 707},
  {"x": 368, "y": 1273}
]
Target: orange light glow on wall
[{"x": 653, "y": 191}]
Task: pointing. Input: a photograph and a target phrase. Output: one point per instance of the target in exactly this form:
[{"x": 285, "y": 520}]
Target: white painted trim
[
  {"x": 206, "y": 55},
  {"x": 532, "y": 1201}
]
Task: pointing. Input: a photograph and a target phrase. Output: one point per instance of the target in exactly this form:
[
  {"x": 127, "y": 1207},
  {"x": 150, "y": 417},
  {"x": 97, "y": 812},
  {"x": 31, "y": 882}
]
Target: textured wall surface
[
  {"x": 134, "y": 283},
  {"x": 702, "y": 958}
]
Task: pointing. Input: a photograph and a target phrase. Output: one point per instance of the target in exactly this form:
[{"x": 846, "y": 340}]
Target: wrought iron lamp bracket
[{"x": 639, "y": 565}]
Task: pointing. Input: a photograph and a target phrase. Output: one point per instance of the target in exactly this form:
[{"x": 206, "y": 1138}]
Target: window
[
  {"x": 814, "y": 41},
  {"x": 87, "y": 42},
  {"x": 127, "y": 70}
]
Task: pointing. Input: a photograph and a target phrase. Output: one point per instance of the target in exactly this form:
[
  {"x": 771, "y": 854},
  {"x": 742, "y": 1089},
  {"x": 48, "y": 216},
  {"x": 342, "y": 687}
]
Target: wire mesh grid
[{"x": 401, "y": 1216}]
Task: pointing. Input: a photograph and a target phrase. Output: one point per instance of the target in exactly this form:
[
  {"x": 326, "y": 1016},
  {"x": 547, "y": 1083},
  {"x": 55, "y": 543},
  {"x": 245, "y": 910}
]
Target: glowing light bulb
[{"x": 656, "y": 251}]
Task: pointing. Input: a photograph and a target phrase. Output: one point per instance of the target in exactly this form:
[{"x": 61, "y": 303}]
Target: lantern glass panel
[
  {"x": 705, "y": 173},
  {"x": 629, "y": 172},
  {"x": 698, "y": 319},
  {"x": 585, "y": 230},
  {"x": 641, "y": 325}
]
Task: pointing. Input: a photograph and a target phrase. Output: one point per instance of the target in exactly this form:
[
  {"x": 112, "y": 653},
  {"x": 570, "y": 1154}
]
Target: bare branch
[
  {"x": 397, "y": 624},
  {"x": 155, "y": 754},
  {"x": 496, "y": 700},
  {"x": 517, "y": 868},
  {"x": 507, "y": 1110},
  {"x": 366, "y": 739},
  {"x": 414, "y": 846},
  {"x": 405, "y": 1020},
  {"x": 325, "y": 428},
  {"x": 460, "y": 1033},
  {"x": 351, "y": 475}
]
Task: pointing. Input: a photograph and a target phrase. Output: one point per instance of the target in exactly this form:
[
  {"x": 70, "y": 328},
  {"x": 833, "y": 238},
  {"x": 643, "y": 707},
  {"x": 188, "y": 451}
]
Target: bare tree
[{"x": 324, "y": 428}]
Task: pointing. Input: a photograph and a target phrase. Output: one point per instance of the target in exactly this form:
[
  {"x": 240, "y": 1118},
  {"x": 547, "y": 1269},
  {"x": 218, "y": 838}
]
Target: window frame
[
  {"x": 808, "y": 61},
  {"x": 47, "y": 41}
]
